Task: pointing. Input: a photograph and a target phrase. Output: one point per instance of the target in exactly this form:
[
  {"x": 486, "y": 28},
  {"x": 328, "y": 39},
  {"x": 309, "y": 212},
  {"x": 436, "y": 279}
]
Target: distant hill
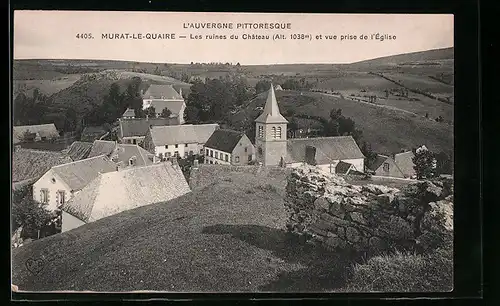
[{"x": 408, "y": 58}]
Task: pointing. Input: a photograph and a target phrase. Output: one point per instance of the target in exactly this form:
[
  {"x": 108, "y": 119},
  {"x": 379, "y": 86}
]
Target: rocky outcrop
[{"x": 326, "y": 209}]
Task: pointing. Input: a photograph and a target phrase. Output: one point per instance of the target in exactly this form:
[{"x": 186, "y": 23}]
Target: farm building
[
  {"x": 178, "y": 140},
  {"x": 91, "y": 133},
  {"x": 29, "y": 165},
  {"x": 78, "y": 150},
  {"x": 61, "y": 182},
  {"x": 385, "y": 166},
  {"x": 165, "y": 96},
  {"x": 31, "y": 133},
  {"x": 134, "y": 130},
  {"x": 114, "y": 192},
  {"x": 404, "y": 161},
  {"x": 229, "y": 147},
  {"x": 273, "y": 147}
]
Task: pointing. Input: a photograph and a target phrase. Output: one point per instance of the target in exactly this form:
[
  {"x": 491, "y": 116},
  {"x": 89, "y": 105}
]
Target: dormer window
[{"x": 53, "y": 180}]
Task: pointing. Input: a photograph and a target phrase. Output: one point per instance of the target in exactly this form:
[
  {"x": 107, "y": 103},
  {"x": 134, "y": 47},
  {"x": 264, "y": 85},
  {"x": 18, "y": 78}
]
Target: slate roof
[
  {"x": 102, "y": 147},
  {"x": 224, "y": 140},
  {"x": 140, "y": 126},
  {"x": 271, "y": 113},
  {"x": 129, "y": 112},
  {"x": 379, "y": 160},
  {"x": 30, "y": 164},
  {"x": 328, "y": 149},
  {"x": 124, "y": 152},
  {"x": 42, "y": 130},
  {"x": 78, "y": 150},
  {"x": 113, "y": 192},
  {"x": 405, "y": 163},
  {"x": 342, "y": 167},
  {"x": 80, "y": 173},
  {"x": 177, "y": 134},
  {"x": 156, "y": 91}
]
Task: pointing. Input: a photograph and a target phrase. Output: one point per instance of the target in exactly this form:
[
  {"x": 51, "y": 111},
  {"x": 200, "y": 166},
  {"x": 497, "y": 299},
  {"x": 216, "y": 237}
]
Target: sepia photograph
[{"x": 186, "y": 152}]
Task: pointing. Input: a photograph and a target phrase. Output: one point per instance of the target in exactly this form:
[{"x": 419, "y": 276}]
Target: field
[{"x": 46, "y": 87}]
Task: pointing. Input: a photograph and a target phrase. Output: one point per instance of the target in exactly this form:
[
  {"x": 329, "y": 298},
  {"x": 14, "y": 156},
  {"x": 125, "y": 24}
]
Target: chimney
[
  {"x": 142, "y": 92},
  {"x": 310, "y": 155}
]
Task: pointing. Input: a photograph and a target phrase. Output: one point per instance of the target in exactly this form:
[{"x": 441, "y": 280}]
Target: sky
[{"x": 52, "y": 35}]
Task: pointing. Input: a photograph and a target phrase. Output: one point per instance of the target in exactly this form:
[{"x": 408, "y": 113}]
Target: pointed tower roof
[{"x": 271, "y": 113}]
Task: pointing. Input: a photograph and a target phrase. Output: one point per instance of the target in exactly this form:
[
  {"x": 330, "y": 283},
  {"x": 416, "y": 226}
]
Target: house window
[
  {"x": 186, "y": 145},
  {"x": 176, "y": 153},
  {"x": 237, "y": 159},
  {"x": 206, "y": 152},
  {"x": 278, "y": 132},
  {"x": 250, "y": 158},
  {"x": 166, "y": 146},
  {"x": 44, "y": 196},
  {"x": 168, "y": 154},
  {"x": 161, "y": 156},
  {"x": 246, "y": 149},
  {"x": 211, "y": 162},
  {"x": 211, "y": 153},
  {"x": 227, "y": 157},
  {"x": 61, "y": 197},
  {"x": 186, "y": 154},
  {"x": 261, "y": 131},
  {"x": 386, "y": 166},
  {"x": 216, "y": 154},
  {"x": 176, "y": 146}
]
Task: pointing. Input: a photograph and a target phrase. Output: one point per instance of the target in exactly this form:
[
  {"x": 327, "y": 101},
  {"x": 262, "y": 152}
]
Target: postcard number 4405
[{"x": 84, "y": 36}]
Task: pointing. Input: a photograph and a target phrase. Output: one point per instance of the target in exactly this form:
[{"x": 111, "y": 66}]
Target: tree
[
  {"x": 444, "y": 163},
  {"x": 262, "y": 86},
  {"x": 367, "y": 151},
  {"x": 28, "y": 213},
  {"x": 424, "y": 163},
  {"x": 293, "y": 126},
  {"x": 165, "y": 113},
  {"x": 150, "y": 112}
]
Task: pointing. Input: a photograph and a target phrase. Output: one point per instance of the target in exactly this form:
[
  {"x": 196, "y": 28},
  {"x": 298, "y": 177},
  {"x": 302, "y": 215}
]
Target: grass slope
[
  {"x": 387, "y": 130},
  {"x": 428, "y": 55},
  {"x": 223, "y": 237}
]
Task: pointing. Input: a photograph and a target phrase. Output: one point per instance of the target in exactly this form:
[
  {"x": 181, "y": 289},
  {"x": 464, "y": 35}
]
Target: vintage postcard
[{"x": 232, "y": 152}]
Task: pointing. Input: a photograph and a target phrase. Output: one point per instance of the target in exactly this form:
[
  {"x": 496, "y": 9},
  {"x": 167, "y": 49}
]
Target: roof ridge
[
  {"x": 81, "y": 160},
  {"x": 323, "y": 137}
]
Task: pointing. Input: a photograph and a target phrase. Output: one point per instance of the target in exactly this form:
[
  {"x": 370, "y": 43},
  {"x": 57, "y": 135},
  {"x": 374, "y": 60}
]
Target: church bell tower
[{"x": 270, "y": 133}]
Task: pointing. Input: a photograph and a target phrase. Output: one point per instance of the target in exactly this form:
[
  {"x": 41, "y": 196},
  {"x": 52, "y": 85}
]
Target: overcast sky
[{"x": 52, "y": 35}]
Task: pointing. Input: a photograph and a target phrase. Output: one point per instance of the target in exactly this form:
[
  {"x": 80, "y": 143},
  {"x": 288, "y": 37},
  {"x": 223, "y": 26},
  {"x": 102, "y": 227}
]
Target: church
[{"x": 274, "y": 149}]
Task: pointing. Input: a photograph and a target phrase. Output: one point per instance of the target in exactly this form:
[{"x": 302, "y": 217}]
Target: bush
[{"x": 404, "y": 272}]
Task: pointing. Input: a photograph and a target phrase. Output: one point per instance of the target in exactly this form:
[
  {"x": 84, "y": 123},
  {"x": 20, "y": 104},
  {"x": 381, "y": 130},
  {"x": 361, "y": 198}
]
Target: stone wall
[{"x": 326, "y": 209}]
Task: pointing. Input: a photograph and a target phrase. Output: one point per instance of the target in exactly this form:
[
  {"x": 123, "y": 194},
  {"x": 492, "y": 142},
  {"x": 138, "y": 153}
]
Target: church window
[
  {"x": 261, "y": 131},
  {"x": 274, "y": 132},
  {"x": 278, "y": 132}
]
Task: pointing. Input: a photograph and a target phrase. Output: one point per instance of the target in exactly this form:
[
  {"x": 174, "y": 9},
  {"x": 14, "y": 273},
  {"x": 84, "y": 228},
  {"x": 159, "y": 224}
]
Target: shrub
[{"x": 404, "y": 272}]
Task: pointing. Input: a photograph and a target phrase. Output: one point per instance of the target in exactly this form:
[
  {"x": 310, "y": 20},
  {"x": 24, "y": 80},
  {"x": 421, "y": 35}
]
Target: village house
[
  {"x": 165, "y": 96},
  {"x": 91, "y": 133},
  {"x": 178, "y": 140},
  {"x": 128, "y": 114},
  {"x": 124, "y": 155},
  {"x": 114, "y": 192},
  {"x": 404, "y": 161},
  {"x": 31, "y": 133},
  {"x": 273, "y": 148},
  {"x": 384, "y": 165},
  {"x": 229, "y": 147},
  {"x": 29, "y": 165},
  {"x": 134, "y": 130},
  {"x": 78, "y": 150},
  {"x": 62, "y": 182}
]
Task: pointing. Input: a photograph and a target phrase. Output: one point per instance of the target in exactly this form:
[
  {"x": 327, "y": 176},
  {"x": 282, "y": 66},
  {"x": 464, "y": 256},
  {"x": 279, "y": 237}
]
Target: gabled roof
[
  {"x": 43, "y": 130},
  {"x": 30, "y": 164},
  {"x": 79, "y": 173},
  {"x": 129, "y": 112},
  {"x": 124, "y": 152},
  {"x": 78, "y": 150},
  {"x": 177, "y": 134},
  {"x": 379, "y": 160},
  {"x": 405, "y": 163},
  {"x": 156, "y": 91},
  {"x": 139, "y": 127},
  {"x": 343, "y": 167},
  {"x": 224, "y": 140},
  {"x": 102, "y": 147},
  {"x": 271, "y": 113},
  {"x": 174, "y": 106},
  {"x": 113, "y": 192},
  {"x": 328, "y": 149}
]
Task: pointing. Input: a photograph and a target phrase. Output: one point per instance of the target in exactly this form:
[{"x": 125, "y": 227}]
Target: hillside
[
  {"x": 410, "y": 58},
  {"x": 225, "y": 237},
  {"x": 387, "y": 130}
]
